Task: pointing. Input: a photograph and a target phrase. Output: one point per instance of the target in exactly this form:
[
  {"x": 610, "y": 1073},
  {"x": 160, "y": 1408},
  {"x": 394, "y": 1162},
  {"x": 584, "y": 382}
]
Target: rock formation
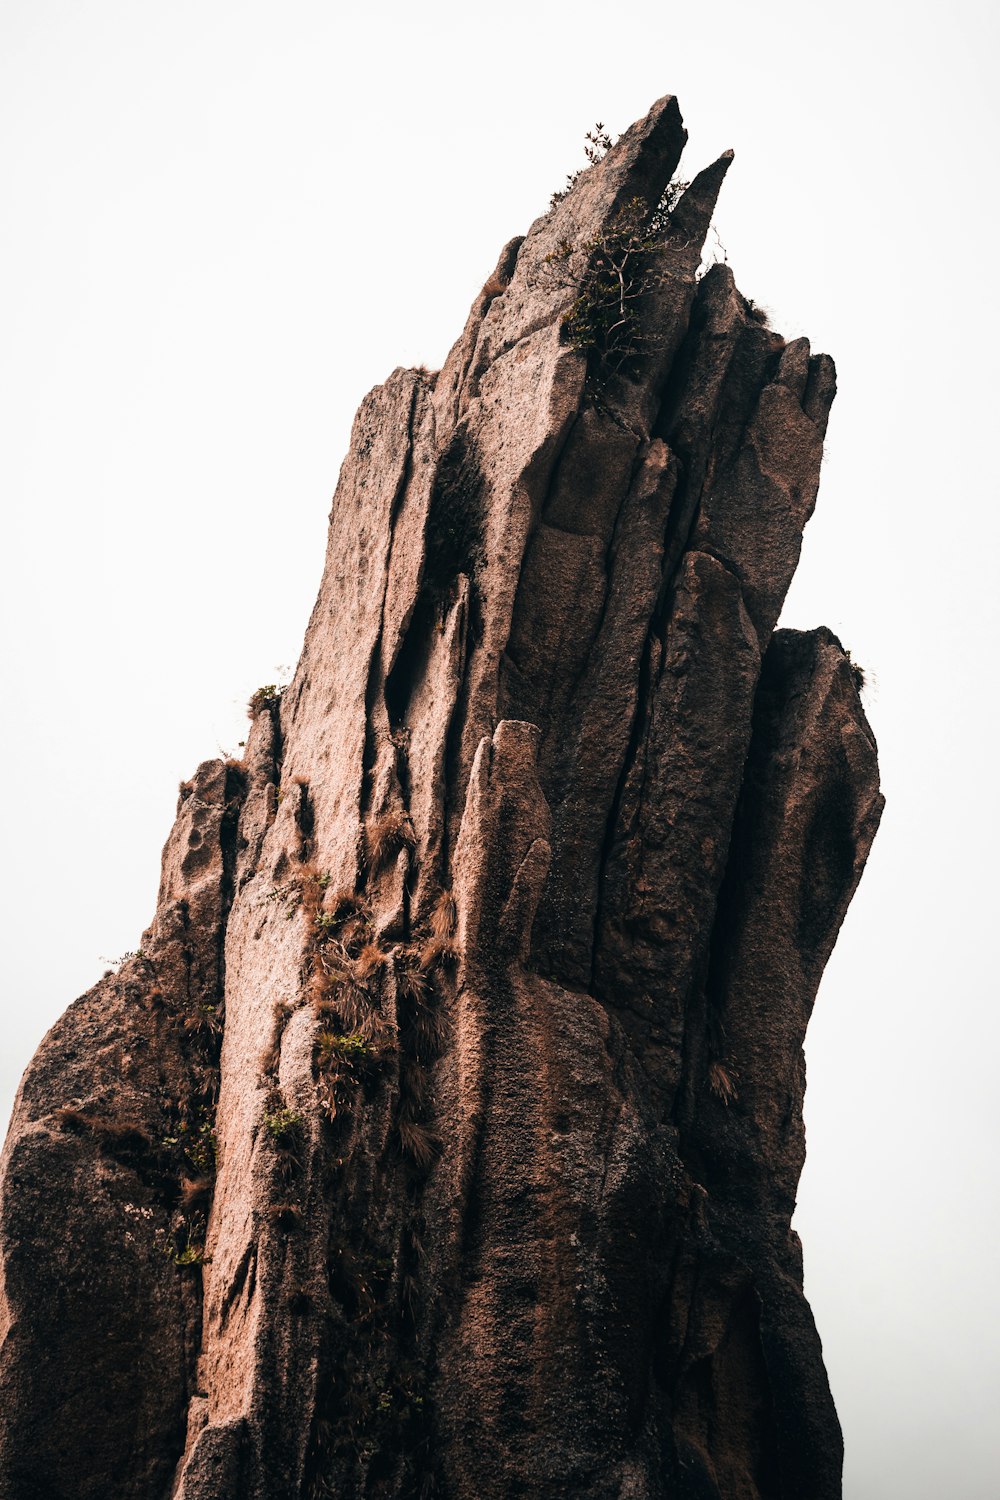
[{"x": 442, "y": 1139}]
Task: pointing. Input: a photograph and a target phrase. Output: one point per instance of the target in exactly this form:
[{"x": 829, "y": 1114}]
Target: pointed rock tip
[
  {"x": 666, "y": 105},
  {"x": 694, "y": 211},
  {"x": 662, "y": 119}
]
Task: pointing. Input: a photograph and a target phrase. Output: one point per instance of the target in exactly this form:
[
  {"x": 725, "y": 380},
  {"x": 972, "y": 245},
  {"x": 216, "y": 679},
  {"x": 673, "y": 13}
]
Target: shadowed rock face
[{"x": 443, "y": 1139}]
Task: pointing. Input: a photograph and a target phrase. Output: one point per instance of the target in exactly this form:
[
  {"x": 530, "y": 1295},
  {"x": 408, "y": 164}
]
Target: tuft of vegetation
[
  {"x": 199, "y": 1144},
  {"x": 267, "y": 697},
  {"x": 756, "y": 312},
  {"x": 269, "y": 1060},
  {"x": 444, "y": 916},
  {"x": 411, "y": 982},
  {"x": 857, "y": 672},
  {"x": 123, "y": 958},
  {"x": 283, "y": 1125},
  {"x": 349, "y": 1046},
  {"x": 597, "y": 143},
  {"x": 430, "y": 1031},
  {"x": 384, "y": 836},
  {"x": 195, "y": 1193},
  {"x": 191, "y": 1255},
  {"x": 722, "y": 1082},
  {"x": 370, "y": 961},
  {"x": 439, "y": 952},
  {"x": 418, "y": 1142},
  {"x": 613, "y": 273},
  {"x": 112, "y": 1135}
]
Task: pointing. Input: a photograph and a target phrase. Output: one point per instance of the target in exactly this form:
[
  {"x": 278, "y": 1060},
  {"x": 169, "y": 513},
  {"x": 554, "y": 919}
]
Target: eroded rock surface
[{"x": 443, "y": 1138}]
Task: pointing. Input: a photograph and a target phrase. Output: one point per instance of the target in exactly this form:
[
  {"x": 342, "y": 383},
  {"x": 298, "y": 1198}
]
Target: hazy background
[{"x": 221, "y": 223}]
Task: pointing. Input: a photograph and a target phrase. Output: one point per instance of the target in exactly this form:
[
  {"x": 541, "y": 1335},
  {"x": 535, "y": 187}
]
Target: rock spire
[{"x": 442, "y": 1139}]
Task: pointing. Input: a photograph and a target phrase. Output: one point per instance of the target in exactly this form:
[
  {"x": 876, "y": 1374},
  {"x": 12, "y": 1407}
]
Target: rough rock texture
[{"x": 443, "y": 1138}]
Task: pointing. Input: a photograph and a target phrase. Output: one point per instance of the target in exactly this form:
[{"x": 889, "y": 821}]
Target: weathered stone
[{"x": 443, "y": 1139}]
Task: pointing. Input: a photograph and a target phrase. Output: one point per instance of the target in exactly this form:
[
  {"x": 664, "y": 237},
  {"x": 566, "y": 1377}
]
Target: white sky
[{"x": 221, "y": 223}]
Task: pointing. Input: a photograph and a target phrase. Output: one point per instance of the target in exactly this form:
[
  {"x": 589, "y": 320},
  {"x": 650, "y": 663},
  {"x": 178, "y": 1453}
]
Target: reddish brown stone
[{"x": 444, "y": 1138}]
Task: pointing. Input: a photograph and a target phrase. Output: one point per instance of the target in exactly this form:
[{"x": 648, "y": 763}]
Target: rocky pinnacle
[{"x": 442, "y": 1138}]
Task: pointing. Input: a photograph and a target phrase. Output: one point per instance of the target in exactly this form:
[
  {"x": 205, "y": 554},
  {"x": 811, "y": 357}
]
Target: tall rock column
[{"x": 443, "y": 1138}]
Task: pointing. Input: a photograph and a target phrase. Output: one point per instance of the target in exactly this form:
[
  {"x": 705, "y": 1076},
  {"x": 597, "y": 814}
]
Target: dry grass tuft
[
  {"x": 411, "y": 983},
  {"x": 343, "y": 903},
  {"x": 494, "y": 287},
  {"x": 413, "y": 1085},
  {"x": 384, "y": 836},
  {"x": 857, "y": 672},
  {"x": 370, "y": 961},
  {"x": 439, "y": 953},
  {"x": 195, "y": 1192},
  {"x": 419, "y": 1143},
  {"x": 722, "y": 1082},
  {"x": 444, "y": 916},
  {"x": 110, "y": 1133},
  {"x": 269, "y": 1060}
]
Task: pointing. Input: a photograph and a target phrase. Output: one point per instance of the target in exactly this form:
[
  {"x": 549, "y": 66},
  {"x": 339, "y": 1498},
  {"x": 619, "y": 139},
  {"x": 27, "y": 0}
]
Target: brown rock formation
[{"x": 443, "y": 1139}]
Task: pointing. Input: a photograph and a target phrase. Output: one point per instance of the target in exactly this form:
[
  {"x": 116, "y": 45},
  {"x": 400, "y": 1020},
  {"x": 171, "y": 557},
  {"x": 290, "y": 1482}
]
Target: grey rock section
[{"x": 444, "y": 1138}]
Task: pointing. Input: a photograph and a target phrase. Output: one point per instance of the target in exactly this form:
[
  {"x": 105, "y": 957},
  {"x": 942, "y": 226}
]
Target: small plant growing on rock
[
  {"x": 350, "y": 1046},
  {"x": 123, "y": 958},
  {"x": 418, "y": 1142},
  {"x": 722, "y": 1082},
  {"x": 597, "y": 143},
  {"x": 613, "y": 273},
  {"x": 267, "y": 697},
  {"x": 439, "y": 952},
  {"x": 283, "y": 1125},
  {"x": 288, "y": 895},
  {"x": 857, "y": 671},
  {"x": 444, "y": 915},
  {"x": 202, "y": 1148},
  {"x": 191, "y": 1255},
  {"x": 384, "y": 836}
]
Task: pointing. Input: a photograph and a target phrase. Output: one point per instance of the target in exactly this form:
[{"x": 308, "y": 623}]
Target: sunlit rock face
[{"x": 442, "y": 1139}]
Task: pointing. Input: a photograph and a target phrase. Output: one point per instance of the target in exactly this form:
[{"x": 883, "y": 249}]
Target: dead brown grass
[
  {"x": 419, "y": 1142},
  {"x": 444, "y": 916},
  {"x": 411, "y": 983},
  {"x": 384, "y": 836},
  {"x": 370, "y": 961},
  {"x": 722, "y": 1082},
  {"x": 195, "y": 1192},
  {"x": 111, "y": 1133},
  {"x": 439, "y": 953},
  {"x": 269, "y": 1060}
]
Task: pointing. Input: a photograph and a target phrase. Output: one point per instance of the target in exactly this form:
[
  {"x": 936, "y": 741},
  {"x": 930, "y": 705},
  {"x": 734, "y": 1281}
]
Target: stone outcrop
[{"x": 443, "y": 1137}]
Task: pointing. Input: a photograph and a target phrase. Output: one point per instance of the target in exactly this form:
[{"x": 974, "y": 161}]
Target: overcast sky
[{"x": 221, "y": 223}]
